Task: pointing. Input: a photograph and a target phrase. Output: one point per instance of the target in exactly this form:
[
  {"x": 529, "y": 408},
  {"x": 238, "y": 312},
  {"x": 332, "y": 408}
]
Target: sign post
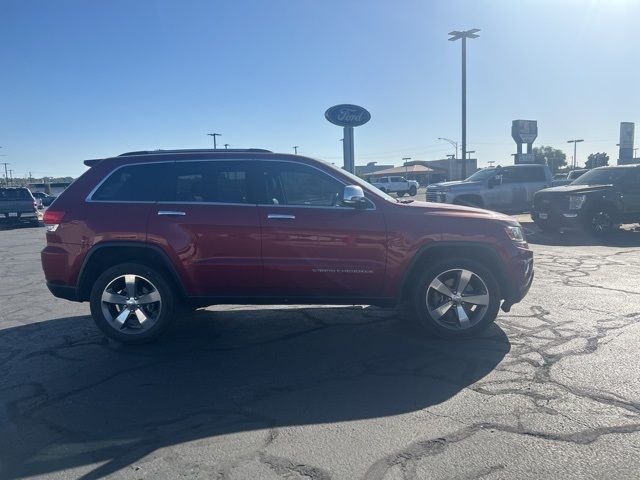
[{"x": 347, "y": 116}]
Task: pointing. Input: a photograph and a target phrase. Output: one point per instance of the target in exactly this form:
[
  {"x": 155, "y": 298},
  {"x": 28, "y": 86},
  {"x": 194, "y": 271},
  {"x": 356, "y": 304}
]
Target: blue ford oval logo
[{"x": 347, "y": 115}]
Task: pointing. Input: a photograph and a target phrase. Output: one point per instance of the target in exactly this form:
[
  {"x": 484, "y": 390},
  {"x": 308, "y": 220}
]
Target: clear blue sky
[{"x": 87, "y": 79}]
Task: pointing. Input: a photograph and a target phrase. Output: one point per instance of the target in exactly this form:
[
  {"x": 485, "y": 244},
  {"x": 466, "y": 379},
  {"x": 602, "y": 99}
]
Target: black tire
[
  {"x": 400, "y": 194},
  {"x": 413, "y": 190},
  {"x": 133, "y": 331},
  {"x": 601, "y": 222},
  {"x": 546, "y": 226},
  {"x": 446, "y": 326}
]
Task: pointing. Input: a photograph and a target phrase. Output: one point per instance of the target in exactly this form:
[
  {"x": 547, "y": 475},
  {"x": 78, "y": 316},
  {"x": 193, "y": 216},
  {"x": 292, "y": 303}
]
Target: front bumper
[
  {"x": 520, "y": 277},
  {"x": 570, "y": 219},
  {"x": 68, "y": 292}
]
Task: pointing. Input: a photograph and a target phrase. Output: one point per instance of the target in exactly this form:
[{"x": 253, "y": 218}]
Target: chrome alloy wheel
[
  {"x": 457, "y": 299},
  {"x": 131, "y": 304}
]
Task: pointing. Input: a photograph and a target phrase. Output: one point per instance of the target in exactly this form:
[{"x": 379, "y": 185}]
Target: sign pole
[{"x": 348, "y": 149}]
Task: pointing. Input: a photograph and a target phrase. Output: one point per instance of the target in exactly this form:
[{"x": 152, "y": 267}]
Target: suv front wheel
[
  {"x": 132, "y": 303},
  {"x": 456, "y": 298}
]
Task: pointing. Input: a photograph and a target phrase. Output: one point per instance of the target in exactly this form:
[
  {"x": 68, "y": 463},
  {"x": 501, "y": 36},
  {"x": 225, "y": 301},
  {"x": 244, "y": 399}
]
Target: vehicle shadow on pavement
[
  {"x": 625, "y": 237},
  {"x": 71, "y": 399}
]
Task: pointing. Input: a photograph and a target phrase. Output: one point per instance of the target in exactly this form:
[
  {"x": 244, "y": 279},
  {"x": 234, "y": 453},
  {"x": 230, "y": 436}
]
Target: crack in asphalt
[{"x": 539, "y": 342}]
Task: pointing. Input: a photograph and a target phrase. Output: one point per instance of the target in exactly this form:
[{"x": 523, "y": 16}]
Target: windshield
[
  {"x": 600, "y": 176},
  {"x": 483, "y": 174}
]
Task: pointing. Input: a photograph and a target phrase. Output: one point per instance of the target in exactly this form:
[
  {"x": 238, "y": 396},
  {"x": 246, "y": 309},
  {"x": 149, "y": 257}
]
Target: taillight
[{"x": 52, "y": 218}]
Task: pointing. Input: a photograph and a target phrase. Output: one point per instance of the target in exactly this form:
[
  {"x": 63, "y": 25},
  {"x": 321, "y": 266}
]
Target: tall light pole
[
  {"x": 295, "y": 149},
  {"x": 469, "y": 154},
  {"x": 575, "y": 142},
  {"x": 214, "y": 135},
  {"x": 456, "y": 35},
  {"x": 226, "y": 146}
]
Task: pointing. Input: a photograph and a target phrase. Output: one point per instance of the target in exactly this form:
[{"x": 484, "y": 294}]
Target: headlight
[
  {"x": 576, "y": 201},
  {"x": 516, "y": 234}
]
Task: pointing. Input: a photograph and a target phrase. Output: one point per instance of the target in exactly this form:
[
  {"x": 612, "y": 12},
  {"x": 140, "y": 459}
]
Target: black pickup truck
[
  {"x": 597, "y": 201},
  {"x": 18, "y": 205}
]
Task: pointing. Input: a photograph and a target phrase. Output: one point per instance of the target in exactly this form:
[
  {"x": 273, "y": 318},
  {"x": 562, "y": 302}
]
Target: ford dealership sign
[{"x": 347, "y": 115}]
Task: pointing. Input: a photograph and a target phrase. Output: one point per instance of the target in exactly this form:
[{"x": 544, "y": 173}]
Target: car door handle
[
  {"x": 170, "y": 213},
  {"x": 277, "y": 216}
]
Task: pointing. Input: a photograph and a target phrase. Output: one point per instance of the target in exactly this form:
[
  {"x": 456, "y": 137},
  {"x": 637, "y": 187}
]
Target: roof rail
[{"x": 194, "y": 150}]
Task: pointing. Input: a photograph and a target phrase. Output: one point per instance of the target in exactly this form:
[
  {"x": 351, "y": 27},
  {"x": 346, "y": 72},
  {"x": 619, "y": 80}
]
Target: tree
[
  {"x": 597, "y": 160},
  {"x": 553, "y": 157}
]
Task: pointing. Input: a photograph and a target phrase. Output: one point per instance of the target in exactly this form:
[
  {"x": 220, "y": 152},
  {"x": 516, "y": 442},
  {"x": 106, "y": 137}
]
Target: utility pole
[
  {"x": 214, "y": 135},
  {"x": 295, "y": 149},
  {"x": 575, "y": 142},
  {"x": 11, "y": 176},
  {"x": 226, "y": 146},
  {"x": 456, "y": 35},
  {"x": 405, "y": 159},
  {"x": 6, "y": 175}
]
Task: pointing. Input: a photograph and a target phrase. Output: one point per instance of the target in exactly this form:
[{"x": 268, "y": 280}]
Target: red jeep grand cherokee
[{"x": 144, "y": 234}]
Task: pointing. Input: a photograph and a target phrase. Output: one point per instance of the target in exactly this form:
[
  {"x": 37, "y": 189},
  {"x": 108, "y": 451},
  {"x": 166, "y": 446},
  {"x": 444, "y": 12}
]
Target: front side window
[{"x": 297, "y": 184}]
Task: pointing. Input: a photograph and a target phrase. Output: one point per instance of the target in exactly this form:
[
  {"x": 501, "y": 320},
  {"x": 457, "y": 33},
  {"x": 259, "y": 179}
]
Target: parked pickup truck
[
  {"x": 509, "y": 188},
  {"x": 398, "y": 185},
  {"x": 17, "y": 205},
  {"x": 568, "y": 178},
  {"x": 597, "y": 201}
]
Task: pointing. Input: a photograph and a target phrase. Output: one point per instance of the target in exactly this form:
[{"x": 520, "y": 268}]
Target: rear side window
[
  {"x": 522, "y": 174},
  {"x": 209, "y": 182},
  {"x": 133, "y": 183}
]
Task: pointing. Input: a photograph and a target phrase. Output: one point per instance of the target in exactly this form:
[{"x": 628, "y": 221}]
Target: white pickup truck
[{"x": 399, "y": 185}]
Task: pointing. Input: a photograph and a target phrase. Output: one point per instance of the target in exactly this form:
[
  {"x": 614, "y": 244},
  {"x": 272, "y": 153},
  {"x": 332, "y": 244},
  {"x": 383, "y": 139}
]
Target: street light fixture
[
  {"x": 214, "y": 135},
  {"x": 226, "y": 146},
  {"x": 469, "y": 154},
  {"x": 455, "y": 145},
  {"x": 575, "y": 142},
  {"x": 457, "y": 35}
]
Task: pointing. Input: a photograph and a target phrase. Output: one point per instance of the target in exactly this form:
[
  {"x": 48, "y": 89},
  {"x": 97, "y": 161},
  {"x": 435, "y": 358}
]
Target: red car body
[{"x": 230, "y": 253}]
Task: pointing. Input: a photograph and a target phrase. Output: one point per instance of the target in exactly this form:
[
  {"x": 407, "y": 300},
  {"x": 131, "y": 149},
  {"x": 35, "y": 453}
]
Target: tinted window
[
  {"x": 297, "y": 184},
  {"x": 397, "y": 179},
  {"x": 508, "y": 175},
  {"x": 522, "y": 174},
  {"x": 134, "y": 183},
  {"x": 384, "y": 180},
  {"x": 602, "y": 176},
  {"x": 211, "y": 182},
  {"x": 7, "y": 194}
]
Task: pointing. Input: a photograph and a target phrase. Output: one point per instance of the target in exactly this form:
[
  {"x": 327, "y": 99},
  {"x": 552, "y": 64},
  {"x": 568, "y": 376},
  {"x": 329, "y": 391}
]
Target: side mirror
[
  {"x": 353, "y": 196},
  {"x": 494, "y": 181}
]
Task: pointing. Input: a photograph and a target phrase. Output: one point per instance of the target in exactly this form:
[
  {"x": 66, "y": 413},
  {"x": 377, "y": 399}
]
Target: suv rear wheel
[
  {"x": 132, "y": 303},
  {"x": 456, "y": 298},
  {"x": 413, "y": 190}
]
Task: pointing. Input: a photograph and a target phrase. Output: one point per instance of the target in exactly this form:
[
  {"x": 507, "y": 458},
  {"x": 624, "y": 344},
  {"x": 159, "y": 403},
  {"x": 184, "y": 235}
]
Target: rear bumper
[{"x": 19, "y": 217}]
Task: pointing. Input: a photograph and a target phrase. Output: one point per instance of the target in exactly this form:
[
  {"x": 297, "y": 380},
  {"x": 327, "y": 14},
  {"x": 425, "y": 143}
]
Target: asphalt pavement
[{"x": 235, "y": 392}]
